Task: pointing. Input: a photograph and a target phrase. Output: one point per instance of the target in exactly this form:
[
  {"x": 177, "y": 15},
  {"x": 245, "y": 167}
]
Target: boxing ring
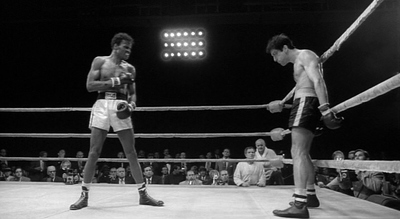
[
  {"x": 34, "y": 200},
  {"x": 52, "y": 200}
]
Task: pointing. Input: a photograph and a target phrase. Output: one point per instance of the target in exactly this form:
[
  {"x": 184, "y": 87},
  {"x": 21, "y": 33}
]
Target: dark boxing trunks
[{"x": 305, "y": 113}]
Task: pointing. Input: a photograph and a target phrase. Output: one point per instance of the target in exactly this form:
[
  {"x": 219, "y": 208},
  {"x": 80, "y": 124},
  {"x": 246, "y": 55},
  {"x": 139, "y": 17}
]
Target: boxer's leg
[
  {"x": 97, "y": 139},
  {"x": 127, "y": 139}
]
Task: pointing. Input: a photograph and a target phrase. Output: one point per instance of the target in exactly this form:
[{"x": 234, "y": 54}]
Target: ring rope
[
  {"x": 365, "y": 165},
  {"x": 161, "y": 135},
  {"x": 335, "y": 47},
  {"x": 151, "y": 109}
]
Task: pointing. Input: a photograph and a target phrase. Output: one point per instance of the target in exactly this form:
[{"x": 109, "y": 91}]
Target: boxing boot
[
  {"x": 297, "y": 210},
  {"x": 145, "y": 199},
  {"x": 312, "y": 201},
  {"x": 82, "y": 201}
]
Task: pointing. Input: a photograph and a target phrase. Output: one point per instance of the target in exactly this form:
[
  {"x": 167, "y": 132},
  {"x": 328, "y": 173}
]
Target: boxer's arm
[
  {"x": 132, "y": 87},
  {"x": 93, "y": 82},
  {"x": 311, "y": 67}
]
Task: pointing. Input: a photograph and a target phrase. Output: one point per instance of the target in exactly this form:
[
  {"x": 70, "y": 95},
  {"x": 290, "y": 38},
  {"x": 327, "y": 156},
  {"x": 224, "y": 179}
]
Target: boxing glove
[
  {"x": 124, "y": 110},
  {"x": 276, "y": 134},
  {"x": 275, "y": 106},
  {"x": 329, "y": 118},
  {"x": 123, "y": 78}
]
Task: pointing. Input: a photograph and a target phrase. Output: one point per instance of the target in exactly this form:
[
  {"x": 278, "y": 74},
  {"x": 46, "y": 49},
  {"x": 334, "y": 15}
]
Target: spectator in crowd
[
  {"x": 51, "y": 175},
  {"x": 213, "y": 177},
  {"x": 3, "y": 153},
  {"x": 104, "y": 175},
  {"x": 121, "y": 178},
  {"x": 273, "y": 174},
  {"x": 164, "y": 175},
  {"x": 351, "y": 155},
  {"x": 155, "y": 165},
  {"x": 78, "y": 165},
  {"x": 61, "y": 156},
  {"x": 176, "y": 176},
  {"x": 142, "y": 154},
  {"x": 166, "y": 153},
  {"x": 149, "y": 177},
  {"x": 185, "y": 166},
  {"x": 249, "y": 173},
  {"x": 64, "y": 169},
  {"x": 224, "y": 179},
  {"x": 121, "y": 155},
  {"x": 37, "y": 169},
  {"x": 203, "y": 175},
  {"x": 18, "y": 176},
  {"x": 228, "y": 165},
  {"x": 113, "y": 174},
  {"x": 209, "y": 165},
  {"x": 216, "y": 154},
  {"x": 168, "y": 165},
  {"x": 7, "y": 173},
  {"x": 370, "y": 182},
  {"x": 190, "y": 179}
]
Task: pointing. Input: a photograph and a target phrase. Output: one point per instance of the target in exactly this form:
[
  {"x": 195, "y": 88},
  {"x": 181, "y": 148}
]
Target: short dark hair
[
  {"x": 278, "y": 41},
  {"x": 366, "y": 154},
  {"x": 117, "y": 39},
  {"x": 248, "y": 148}
]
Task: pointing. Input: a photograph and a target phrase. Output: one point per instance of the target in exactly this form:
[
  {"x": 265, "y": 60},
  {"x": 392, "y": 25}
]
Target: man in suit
[
  {"x": 51, "y": 175},
  {"x": 224, "y": 179},
  {"x": 122, "y": 178},
  {"x": 190, "y": 179},
  {"x": 37, "y": 169},
  {"x": 149, "y": 177},
  {"x": 176, "y": 176},
  {"x": 78, "y": 165},
  {"x": 229, "y": 166}
]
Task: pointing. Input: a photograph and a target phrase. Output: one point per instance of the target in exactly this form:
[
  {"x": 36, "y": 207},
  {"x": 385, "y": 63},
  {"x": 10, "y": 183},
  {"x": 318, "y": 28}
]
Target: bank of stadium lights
[{"x": 183, "y": 44}]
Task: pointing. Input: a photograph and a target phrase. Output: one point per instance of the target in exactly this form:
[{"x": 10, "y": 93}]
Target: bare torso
[
  {"x": 109, "y": 69},
  {"x": 304, "y": 86}
]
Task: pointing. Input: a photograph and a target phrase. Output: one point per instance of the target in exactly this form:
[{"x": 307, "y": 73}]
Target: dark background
[{"x": 48, "y": 46}]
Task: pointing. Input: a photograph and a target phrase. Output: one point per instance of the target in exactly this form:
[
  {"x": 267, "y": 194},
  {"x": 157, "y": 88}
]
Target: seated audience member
[
  {"x": 78, "y": 165},
  {"x": 351, "y": 155},
  {"x": 57, "y": 164},
  {"x": 52, "y": 176},
  {"x": 104, "y": 175},
  {"x": 37, "y": 169},
  {"x": 229, "y": 166},
  {"x": 370, "y": 182},
  {"x": 149, "y": 177},
  {"x": 121, "y": 155},
  {"x": 176, "y": 176},
  {"x": 343, "y": 181},
  {"x": 203, "y": 175},
  {"x": 273, "y": 174},
  {"x": 3, "y": 153},
  {"x": 65, "y": 166},
  {"x": 224, "y": 179},
  {"x": 213, "y": 177},
  {"x": 190, "y": 179},
  {"x": 18, "y": 176},
  {"x": 209, "y": 165},
  {"x": 78, "y": 177},
  {"x": 249, "y": 173},
  {"x": 6, "y": 173},
  {"x": 164, "y": 175},
  {"x": 121, "y": 177}
]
